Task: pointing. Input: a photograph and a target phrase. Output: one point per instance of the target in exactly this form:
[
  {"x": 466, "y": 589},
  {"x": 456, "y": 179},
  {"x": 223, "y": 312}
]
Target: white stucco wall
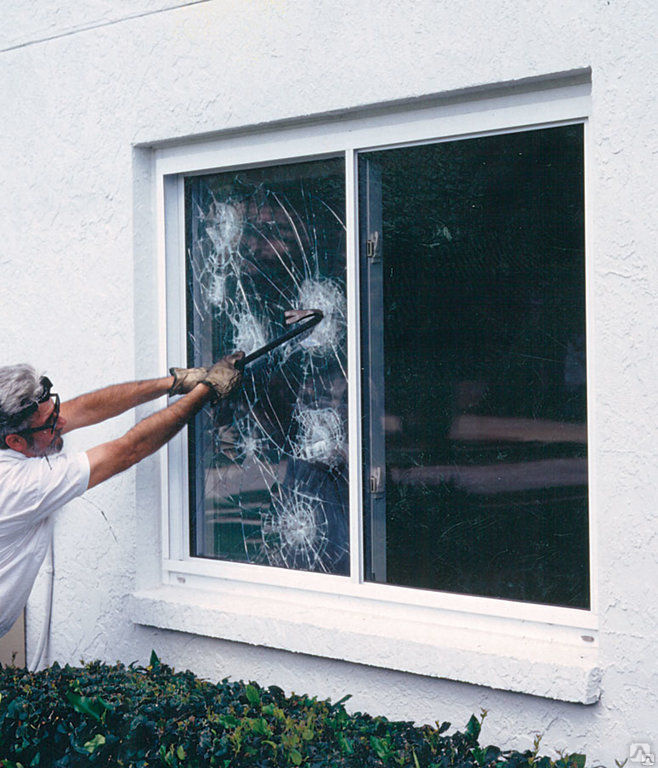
[{"x": 81, "y": 83}]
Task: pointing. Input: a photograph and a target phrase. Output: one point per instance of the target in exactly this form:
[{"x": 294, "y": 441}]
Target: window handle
[
  {"x": 376, "y": 480},
  {"x": 371, "y": 246}
]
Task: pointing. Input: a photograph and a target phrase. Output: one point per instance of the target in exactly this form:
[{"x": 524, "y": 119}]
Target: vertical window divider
[
  {"x": 590, "y": 300},
  {"x": 162, "y": 200},
  {"x": 353, "y": 369},
  {"x": 175, "y": 534},
  {"x": 183, "y": 551}
]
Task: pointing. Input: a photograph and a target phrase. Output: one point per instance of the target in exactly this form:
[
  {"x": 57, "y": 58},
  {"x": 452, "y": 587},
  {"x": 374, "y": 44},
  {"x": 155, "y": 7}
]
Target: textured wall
[{"x": 81, "y": 82}]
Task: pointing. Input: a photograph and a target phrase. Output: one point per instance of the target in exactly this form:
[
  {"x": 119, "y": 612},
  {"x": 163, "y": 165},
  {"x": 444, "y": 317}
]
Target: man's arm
[
  {"x": 105, "y": 403},
  {"x": 154, "y": 431},
  {"x": 145, "y": 438}
]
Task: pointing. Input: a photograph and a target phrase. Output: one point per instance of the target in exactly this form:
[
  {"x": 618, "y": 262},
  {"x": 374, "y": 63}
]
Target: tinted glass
[{"x": 481, "y": 292}]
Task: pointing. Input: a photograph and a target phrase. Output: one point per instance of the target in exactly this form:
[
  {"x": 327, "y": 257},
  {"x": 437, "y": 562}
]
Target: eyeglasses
[{"x": 51, "y": 421}]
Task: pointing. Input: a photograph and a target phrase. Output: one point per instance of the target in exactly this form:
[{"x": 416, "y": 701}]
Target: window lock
[
  {"x": 376, "y": 480},
  {"x": 372, "y": 242}
]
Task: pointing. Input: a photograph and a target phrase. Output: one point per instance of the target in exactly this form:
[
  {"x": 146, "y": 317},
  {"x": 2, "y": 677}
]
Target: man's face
[{"x": 45, "y": 442}]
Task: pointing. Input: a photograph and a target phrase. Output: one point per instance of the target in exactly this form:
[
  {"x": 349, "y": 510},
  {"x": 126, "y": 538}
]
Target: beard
[{"x": 55, "y": 446}]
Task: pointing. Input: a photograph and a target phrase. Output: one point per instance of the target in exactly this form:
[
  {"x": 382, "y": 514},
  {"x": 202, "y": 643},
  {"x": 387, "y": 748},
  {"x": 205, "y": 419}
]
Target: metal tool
[{"x": 305, "y": 323}]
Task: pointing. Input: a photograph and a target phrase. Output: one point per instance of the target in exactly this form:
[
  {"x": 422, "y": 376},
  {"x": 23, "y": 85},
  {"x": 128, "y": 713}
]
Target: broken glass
[{"x": 268, "y": 466}]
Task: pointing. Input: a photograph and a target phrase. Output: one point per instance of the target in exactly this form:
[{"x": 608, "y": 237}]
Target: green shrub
[{"x": 100, "y": 715}]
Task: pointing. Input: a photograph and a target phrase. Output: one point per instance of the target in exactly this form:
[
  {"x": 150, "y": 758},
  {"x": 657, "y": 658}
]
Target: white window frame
[{"x": 453, "y": 627}]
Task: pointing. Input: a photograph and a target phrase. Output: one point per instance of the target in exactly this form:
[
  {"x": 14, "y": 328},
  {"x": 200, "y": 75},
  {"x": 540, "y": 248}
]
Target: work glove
[
  {"x": 185, "y": 379},
  {"x": 223, "y": 377}
]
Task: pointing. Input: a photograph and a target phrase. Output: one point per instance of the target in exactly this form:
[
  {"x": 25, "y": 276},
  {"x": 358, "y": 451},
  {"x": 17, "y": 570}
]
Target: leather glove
[
  {"x": 223, "y": 377},
  {"x": 185, "y": 379}
]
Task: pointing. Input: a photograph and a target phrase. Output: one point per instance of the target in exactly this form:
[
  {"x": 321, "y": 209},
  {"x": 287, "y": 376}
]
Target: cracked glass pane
[
  {"x": 476, "y": 439},
  {"x": 268, "y": 466}
]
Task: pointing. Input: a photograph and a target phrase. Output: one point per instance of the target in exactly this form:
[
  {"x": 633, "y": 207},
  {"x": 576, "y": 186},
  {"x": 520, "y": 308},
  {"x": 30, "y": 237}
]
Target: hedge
[{"x": 100, "y": 715}]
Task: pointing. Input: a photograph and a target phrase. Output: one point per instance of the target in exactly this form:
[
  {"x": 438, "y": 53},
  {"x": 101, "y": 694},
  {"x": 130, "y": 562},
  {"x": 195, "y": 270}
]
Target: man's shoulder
[
  {"x": 40, "y": 484},
  {"x": 9, "y": 458},
  {"x": 34, "y": 468}
]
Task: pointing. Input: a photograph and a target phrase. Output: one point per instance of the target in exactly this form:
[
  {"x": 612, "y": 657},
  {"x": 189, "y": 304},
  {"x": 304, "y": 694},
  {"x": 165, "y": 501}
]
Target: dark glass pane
[
  {"x": 482, "y": 291},
  {"x": 268, "y": 472}
]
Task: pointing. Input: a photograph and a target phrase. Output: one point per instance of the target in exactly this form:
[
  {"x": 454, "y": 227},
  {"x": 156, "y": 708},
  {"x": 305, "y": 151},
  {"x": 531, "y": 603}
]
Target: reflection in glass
[
  {"x": 479, "y": 384},
  {"x": 268, "y": 471}
]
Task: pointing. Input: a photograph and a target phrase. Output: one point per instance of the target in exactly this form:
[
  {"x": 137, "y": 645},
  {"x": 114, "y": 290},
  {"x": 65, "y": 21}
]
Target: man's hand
[
  {"x": 185, "y": 379},
  {"x": 223, "y": 377}
]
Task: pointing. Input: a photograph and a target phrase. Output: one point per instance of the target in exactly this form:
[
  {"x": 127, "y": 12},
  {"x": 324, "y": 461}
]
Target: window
[
  {"x": 473, "y": 322},
  {"x": 268, "y": 469},
  {"x": 405, "y": 486},
  {"x": 425, "y": 446},
  {"x": 472, "y": 317}
]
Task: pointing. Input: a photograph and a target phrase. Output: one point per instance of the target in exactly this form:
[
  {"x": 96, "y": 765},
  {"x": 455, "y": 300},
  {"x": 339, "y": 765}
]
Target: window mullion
[
  {"x": 354, "y": 366},
  {"x": 372, "y": 312},
  {"x": 173, "y": 205}
]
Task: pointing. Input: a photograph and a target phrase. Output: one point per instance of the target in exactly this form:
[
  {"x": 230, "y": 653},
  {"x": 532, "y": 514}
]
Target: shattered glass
[{"x": 268, "y": 466}]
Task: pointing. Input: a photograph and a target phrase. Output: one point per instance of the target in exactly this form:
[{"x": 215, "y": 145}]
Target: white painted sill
[{"x": 525, "y": 657}]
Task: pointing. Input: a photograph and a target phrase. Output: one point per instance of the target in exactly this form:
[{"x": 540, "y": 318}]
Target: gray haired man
[{"x": 36, "y": 478}]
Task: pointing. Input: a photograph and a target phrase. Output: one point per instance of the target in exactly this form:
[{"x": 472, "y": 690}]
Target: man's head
[{"x": 29, "y": 414}]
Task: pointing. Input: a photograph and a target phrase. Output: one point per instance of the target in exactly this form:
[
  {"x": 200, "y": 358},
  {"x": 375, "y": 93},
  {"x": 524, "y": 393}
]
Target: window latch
[
  {"x": 372, "y": 251},
  {"x": 376, "y": 480}
]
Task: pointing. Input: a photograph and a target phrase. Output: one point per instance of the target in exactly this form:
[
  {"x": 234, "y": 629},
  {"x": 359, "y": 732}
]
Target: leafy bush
[{"x": 101, "y": 715}]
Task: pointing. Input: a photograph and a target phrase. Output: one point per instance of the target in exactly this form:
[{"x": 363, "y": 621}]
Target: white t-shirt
[{"x": 31, "y": 489}]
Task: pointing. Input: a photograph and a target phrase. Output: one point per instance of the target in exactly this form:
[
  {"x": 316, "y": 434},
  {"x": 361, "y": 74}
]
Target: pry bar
[{"x": 310, "y": 320}]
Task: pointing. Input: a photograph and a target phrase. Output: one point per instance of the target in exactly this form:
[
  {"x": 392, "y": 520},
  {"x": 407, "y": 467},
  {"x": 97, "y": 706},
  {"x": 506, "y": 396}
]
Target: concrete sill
[{"x": 558, "y": 666}]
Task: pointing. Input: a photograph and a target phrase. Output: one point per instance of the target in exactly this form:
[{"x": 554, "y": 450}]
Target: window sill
[{"x": 525, "y": 657}]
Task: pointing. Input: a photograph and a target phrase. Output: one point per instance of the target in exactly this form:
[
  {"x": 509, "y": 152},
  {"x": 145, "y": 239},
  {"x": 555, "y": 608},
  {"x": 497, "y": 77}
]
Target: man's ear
[{"x": 16, "y": 442}]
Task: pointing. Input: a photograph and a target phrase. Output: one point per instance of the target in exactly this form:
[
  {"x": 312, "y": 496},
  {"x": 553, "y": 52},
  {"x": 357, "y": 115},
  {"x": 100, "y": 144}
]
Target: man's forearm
[
  {"x": 154, "y": 431},
  {"x": 157, "y": 429},
  {"x": 144, "y": 438},
  {"x": 111, "y": 401}
]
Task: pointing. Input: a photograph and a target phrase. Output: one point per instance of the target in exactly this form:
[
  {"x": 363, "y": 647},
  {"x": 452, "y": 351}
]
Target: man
[{"x": 36, "y": 479}]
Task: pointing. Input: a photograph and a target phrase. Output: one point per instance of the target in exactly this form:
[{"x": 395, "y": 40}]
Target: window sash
[
  {"x": 526, "y": 188},
  {"x": 286, "y": 248},
  {"x": 499, "y": 114}
]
